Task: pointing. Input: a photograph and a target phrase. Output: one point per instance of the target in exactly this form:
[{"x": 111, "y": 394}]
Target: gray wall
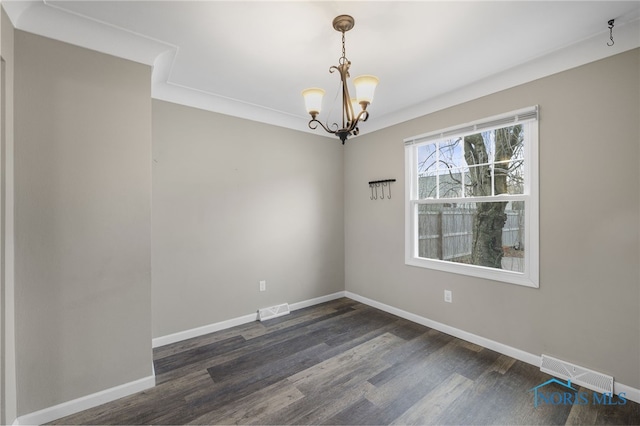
[
  {"x": 236, "y": 202},
  {"x": 7, "y": 342},
  {"x": 83, "y": 221},
  {"x": 586, "y": 310}
]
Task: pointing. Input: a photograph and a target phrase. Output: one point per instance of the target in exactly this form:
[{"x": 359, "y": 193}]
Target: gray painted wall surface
[
  {"x": 586, "y": 310},
  {"x": 83, "y": 221},
  {"x": 7, "y": 341},
  {"x": 236, "y": 202}
]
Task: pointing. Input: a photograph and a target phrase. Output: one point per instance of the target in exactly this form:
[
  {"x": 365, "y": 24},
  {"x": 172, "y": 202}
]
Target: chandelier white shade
[
  {"x": 313, "y": 100},
  {"x": 365, "y": 87}
]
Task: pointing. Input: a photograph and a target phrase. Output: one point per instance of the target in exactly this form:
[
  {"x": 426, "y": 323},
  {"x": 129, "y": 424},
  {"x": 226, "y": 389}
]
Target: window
[{"x": 472, "y": 198}]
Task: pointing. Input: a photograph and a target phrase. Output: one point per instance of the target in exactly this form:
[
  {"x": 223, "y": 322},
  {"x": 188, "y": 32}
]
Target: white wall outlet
[
  {"x": 448, "y": 297},
  {"x": 263, "y": 285}
]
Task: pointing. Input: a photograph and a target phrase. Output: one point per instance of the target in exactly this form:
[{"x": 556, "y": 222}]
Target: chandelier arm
[
  {"x": 352, "y": 126},
  {"x": 313, "y": 124},
  {"x": 363, "y": 116},
  {"x": 347, "y": 108},
  {"x": 346, "y": 101}
]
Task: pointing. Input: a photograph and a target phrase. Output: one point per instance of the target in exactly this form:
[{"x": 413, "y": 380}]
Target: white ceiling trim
[
  {"x": 563, "y": 59},
  {"x": 42, "y": 18},
  {"x": 47, "y": 20},
  {"x": 170, "y": 92}
]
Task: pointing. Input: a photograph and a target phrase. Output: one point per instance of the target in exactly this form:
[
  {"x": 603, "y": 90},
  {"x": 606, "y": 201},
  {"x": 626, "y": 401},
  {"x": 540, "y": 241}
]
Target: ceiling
[{"x": 252, "y": 59}]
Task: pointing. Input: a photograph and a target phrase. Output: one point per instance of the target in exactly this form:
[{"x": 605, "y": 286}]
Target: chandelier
[{"x": 365, "y": 86}]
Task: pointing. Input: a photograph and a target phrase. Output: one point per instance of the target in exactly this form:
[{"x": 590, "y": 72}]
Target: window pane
[
  {"x": 518, "y": 149},
  {"x": 479, "y": 148},
  {"x": 509, "y": 177},
  {"x": 427, "y": 159},
  {"x": 450, "y": 183},
  {"x": 447, "y": 231},
  {"x": 440, "y": 166},
  {"x": 479, "y": 182},
  {"x": 513, "y": 237},
  {"x": 450, "y": 154},
  {"x": 427, "y": 187}
]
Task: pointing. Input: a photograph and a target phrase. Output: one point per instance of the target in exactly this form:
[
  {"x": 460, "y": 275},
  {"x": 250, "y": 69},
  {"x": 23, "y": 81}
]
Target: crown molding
[
  {"x": 42, "y": 18},
  {"x": 562, "y": 59}
]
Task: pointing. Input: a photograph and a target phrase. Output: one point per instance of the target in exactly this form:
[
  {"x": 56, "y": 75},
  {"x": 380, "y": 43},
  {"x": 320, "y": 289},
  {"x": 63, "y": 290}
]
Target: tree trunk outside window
[{"x": 490, "y": 217}]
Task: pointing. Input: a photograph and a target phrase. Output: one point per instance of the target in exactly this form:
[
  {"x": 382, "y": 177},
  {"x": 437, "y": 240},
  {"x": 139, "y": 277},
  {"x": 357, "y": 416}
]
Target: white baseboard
[
  {"x": 223, "y": 325},
  {"x": 630, "y": 393},
  {"x": 316, "y": 301},
  {"x": 85, "y": 402},
  {"x": 456, "y": 332},
  {"x": 201, "y": 331}
]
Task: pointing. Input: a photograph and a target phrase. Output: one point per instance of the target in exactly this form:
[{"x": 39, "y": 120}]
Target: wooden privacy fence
[{"x": 448, "y": 234}]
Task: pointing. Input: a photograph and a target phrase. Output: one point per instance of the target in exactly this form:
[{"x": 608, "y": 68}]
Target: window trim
[{"x": 530, "y": 276}]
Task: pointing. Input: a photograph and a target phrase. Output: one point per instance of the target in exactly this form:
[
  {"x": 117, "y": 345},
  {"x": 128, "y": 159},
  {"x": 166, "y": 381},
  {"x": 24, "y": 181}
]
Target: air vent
[
  {"x": 579, "y": 375},
  {"x": 273, "y": 312}
]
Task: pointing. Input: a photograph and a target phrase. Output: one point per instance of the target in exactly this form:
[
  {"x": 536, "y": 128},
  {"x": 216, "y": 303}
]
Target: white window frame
[{"x": 528, "y": 117}]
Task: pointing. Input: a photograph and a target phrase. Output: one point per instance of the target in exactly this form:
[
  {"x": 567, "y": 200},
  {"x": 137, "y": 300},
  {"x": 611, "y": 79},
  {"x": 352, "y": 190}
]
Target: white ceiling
[{"x": 252, "y": 59}]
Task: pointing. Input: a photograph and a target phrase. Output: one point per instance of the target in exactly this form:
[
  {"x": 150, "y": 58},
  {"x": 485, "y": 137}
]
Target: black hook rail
[{"x": 375, "y": 184}]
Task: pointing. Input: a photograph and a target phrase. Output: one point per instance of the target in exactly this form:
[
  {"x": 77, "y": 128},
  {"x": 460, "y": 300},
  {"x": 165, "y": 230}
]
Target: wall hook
[
  {"x": 388, "y": 185},
  {"x": 375, "y": 184},
  {"x": 611, "y": 21}
]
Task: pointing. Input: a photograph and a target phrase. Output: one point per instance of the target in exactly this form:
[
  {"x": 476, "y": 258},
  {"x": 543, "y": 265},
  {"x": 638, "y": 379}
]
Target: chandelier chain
[{"x": 344, "y": 50}]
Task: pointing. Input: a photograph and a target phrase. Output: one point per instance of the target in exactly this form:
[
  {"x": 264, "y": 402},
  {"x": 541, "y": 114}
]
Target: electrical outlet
[
  {"x": 448, "y": 297},
  {"x": 263, "y": 285}
]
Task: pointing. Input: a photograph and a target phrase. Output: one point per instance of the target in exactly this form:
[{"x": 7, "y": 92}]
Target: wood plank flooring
[{"x": 343, "y": 363}]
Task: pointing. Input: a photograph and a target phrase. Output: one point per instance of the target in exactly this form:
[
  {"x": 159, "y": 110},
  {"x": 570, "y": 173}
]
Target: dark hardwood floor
[{"x": 343, "y": 362}]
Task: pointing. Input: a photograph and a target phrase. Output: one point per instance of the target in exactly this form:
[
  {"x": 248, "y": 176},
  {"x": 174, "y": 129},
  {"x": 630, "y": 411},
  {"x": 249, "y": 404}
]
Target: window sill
[{"x": 501, "y": 275}]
